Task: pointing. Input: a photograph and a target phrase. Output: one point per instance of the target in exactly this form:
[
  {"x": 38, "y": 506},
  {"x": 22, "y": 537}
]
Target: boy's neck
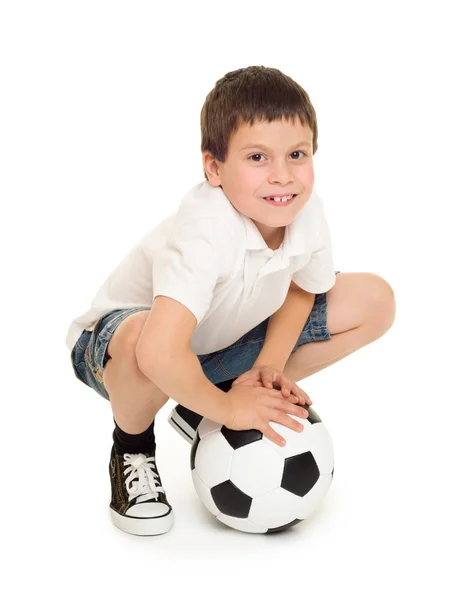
[{"x": 275, "y": 241}]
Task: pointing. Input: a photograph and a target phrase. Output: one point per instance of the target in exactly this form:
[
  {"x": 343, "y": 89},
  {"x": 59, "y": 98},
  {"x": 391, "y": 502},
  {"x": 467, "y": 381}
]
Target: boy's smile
[
  {"x": 280, "y": 200},
  {"x": 264, "y": 160}
]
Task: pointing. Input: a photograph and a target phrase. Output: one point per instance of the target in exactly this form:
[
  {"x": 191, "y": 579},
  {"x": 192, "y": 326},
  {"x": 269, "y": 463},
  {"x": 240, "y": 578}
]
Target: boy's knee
[{"x": 125, "y": 338}]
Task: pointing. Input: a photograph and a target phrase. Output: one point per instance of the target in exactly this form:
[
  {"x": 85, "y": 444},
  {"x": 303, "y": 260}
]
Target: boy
[{"x": 225, "y": 298}]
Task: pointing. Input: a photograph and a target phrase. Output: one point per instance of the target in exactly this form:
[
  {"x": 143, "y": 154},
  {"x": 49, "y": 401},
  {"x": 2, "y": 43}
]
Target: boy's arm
[
  {"x": 164, "y": 355},
  {"x": 285, "y": 327},
  {"x": 286, "y": 324},
  {"x": 181, "y": 377}
]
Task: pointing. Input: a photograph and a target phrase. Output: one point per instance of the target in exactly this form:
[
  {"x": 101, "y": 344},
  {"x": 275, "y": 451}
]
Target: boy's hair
[{"x": 255, "y": 93}]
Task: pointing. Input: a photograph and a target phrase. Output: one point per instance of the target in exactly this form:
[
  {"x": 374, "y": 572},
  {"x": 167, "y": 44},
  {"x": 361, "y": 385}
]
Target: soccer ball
[{"x": 251, "y": 484}]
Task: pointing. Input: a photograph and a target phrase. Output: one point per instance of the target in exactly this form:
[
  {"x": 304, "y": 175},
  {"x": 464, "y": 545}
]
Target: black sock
[{"x": 133, "y": 443}]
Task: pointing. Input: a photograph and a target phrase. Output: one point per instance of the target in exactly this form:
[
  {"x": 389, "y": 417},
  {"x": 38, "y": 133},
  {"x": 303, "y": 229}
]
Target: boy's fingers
[
  {"x": 301, "y": 398},
  {"x": 297, "y": 410},
  {"x": 295, "y": 399},
  {"x": 271, "y": 434}
]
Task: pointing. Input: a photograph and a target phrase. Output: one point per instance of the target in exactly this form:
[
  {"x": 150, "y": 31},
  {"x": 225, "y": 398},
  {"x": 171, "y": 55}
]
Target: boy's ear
[{"x": 211, "y": 166}]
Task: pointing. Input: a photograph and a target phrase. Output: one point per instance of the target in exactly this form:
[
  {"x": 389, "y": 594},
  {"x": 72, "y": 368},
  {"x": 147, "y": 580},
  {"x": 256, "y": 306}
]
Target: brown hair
[{"x": 255, "y": 93}]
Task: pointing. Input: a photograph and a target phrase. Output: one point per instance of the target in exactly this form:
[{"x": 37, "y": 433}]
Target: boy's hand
[
  {"x": 253, "y": 407},
  {"x": 268, "y": 376}
]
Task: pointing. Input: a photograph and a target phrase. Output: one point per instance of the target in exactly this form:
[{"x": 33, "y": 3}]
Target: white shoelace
[{"x": 149, "y": 484}]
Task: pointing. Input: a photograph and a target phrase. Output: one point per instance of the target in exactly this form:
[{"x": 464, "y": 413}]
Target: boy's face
[{"x": 279, "y": 162}]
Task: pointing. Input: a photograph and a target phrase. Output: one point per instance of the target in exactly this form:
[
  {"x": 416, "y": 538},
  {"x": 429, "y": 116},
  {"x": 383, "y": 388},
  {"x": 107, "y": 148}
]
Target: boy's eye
[
  {"x": 299, "y": 151},
  {"x": 295, "y": 152}
]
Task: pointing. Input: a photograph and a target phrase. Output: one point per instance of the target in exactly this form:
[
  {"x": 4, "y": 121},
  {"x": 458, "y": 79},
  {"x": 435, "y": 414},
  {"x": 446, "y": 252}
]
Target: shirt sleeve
[
  {"x": 318, "y": 275},
  {"x": 189, "y": 265}
]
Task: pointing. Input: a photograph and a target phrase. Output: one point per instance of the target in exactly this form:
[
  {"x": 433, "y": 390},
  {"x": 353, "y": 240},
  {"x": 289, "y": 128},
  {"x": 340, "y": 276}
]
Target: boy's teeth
[{"x": 283, "y": 199}]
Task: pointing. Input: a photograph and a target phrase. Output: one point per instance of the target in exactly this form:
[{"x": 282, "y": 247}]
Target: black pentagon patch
[
  {"x": 333, "y": 470},
  {"x": 313, "y": 416},
  {"x": 237, "y": 439},
  {"x": 283, "y": 527},
  {"x": 193, "y": 450},
  {"x": 300, "y": 474},
  {"x": 230, "y": 500}
]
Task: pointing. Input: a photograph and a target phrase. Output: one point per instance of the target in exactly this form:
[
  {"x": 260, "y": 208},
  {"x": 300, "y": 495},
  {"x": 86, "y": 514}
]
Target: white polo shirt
[{"x": 212, "y": 259}]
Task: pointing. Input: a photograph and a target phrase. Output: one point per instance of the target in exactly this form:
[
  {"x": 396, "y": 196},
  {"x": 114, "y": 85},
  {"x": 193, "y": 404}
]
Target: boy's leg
[
  {"x": 135, "y": 399},
  {"x": 361, "y": 308},
  {"x": 139, "y": 504}
]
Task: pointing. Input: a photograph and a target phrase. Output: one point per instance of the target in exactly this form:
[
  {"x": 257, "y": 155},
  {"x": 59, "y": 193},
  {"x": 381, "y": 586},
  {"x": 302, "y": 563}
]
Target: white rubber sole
[
  {"x": 181, "y": 426},
  {"x": 143, "y": 526}
]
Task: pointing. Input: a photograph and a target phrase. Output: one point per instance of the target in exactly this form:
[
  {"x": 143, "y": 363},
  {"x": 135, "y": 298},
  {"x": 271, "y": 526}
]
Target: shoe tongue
[{"x": 151, "y": 497}]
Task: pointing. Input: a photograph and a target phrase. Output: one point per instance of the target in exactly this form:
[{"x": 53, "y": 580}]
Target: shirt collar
[{"x": 294, "y": 236}]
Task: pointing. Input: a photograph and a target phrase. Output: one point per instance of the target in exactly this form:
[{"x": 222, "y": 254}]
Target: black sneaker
[
  {"x": 186, "y": 421},
  {"x": 139, "y": 504}
]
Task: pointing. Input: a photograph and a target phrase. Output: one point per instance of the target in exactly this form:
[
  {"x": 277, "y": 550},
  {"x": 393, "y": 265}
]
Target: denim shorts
[{"x": 89, "y": 355}]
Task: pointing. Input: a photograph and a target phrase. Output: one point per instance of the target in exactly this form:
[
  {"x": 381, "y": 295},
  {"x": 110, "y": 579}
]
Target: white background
[{"x": 99, "y": 141}]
